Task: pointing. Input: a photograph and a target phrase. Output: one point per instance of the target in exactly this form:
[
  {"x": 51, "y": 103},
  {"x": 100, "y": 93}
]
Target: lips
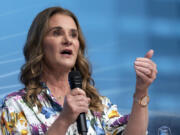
[{"x": 66, "y": 52}]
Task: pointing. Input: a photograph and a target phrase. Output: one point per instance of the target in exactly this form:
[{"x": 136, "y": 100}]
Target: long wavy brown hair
[{"x": 32, "y": 70}]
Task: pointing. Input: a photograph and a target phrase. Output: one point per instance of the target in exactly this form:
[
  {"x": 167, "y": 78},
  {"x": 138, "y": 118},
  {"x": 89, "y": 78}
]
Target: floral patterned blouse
[{"x": 18, "y": 118}]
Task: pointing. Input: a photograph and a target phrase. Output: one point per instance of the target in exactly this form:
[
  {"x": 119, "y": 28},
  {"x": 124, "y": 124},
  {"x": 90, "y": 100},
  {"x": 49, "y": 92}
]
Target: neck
[{"x": 57, "y": 81}]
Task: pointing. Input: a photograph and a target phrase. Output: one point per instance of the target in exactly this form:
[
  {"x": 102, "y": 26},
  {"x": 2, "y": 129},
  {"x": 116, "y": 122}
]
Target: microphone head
[{"x": 75, "y": 79}]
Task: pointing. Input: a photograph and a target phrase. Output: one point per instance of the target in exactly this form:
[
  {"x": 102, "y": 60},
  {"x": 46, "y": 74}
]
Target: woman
[{"x": 55, "y": 46}]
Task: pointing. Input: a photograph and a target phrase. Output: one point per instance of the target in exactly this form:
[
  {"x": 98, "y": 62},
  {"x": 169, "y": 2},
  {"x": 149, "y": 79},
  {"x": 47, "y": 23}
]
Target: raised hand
[{"x": 146, "y": 71}]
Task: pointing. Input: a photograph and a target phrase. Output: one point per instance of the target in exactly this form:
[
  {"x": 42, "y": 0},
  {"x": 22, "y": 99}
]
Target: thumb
[{"x": 149, "y": 54}]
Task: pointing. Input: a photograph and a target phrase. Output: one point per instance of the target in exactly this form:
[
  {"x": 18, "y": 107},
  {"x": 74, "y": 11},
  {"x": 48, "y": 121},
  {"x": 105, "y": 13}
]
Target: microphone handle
[
  {"x": 75, "y": 81},
  {"x": 81, "y": 124}
]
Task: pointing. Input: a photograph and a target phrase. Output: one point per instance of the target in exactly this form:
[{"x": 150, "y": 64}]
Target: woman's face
[{"x": 61, "y": 43}]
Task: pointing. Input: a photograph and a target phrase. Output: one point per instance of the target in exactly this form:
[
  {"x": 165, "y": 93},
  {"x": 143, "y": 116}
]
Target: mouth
[{"x": 66, "y": 52}]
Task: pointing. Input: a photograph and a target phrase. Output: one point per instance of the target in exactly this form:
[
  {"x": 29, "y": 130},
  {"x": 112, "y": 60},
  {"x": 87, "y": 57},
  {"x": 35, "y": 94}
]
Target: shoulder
[
  {"x": 109, "y": 107},
  {"x": 12, "y": 98},
  {"x": 105, "y": 101}
]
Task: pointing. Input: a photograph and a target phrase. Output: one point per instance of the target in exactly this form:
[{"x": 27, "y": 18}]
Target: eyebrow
[
  {"x": 56, "y": 27},
  {"x": 59, "y": 27}
]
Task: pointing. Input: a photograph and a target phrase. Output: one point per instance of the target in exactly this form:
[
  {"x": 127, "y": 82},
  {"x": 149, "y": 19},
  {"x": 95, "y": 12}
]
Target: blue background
[{"x": 116, "y": 31}]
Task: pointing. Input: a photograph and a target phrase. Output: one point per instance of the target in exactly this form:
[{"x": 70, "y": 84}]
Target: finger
[
  {"x": 83, "y": 109},
  {"x": 79, "y": 109},
  {"x": 141, "y": 75},
  {"x": 146, "y": 71},
  {"x": 82, "y": 104},
  {"x": 146, "y": 60},
  {"x": 78, "y": 91},
  {"x": 153, "y": 70},
  {"x": 74, "y": 104},
  {"x": 81, "y": 98},
  {"x": 79, "y": 103},
  {"x": 149, "y": 54},
  {"x": 143, "y": 64}
]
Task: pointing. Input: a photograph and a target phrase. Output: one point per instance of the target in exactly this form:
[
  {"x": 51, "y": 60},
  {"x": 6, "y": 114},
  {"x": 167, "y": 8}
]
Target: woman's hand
[
  {"x": 146, "y": 71},
  {"x": 75, "y": 103}
]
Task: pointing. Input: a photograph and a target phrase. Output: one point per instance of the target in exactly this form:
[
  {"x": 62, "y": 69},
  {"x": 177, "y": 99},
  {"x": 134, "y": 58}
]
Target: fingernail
[{"x": 136, "y": 62}]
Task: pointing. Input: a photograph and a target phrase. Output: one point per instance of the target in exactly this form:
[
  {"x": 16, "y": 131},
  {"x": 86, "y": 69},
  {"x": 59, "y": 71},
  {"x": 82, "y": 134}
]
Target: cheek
[
  {"x": 49, "y": 47},
  {"x": 77, "y": 46}
]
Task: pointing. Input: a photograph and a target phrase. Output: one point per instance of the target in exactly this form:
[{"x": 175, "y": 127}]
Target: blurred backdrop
[{"x": 116, "y": 32}]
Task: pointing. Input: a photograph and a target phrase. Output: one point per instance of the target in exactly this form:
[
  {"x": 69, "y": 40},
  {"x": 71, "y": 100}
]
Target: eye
[
  {"x": 74, "y": 34},
  {"x": 57, "y": 32}
]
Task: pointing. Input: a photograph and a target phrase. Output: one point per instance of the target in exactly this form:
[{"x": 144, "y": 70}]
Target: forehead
[{"x": 64, "y": 21}]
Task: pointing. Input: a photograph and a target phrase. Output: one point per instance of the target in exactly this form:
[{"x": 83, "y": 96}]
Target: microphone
[{"x": 75, "y": 81}]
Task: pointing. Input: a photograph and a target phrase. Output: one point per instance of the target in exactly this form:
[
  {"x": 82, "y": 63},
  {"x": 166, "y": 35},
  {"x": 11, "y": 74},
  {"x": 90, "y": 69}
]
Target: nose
[{"x": 66, "y": 40}]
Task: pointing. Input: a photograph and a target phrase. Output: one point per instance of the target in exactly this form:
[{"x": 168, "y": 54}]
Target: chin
[{"x": 68, "y": 66}]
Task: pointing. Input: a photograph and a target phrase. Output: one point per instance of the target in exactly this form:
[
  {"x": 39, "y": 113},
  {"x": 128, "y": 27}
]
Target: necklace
[{"x": 59, "y": 97}]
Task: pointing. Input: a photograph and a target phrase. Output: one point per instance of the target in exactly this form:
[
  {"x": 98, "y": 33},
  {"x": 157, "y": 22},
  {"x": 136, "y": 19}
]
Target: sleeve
[
  {"x": 114, "y": 122},
  {"x": 5, "y": 125},
  {"x": 12, "y": 122}
]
